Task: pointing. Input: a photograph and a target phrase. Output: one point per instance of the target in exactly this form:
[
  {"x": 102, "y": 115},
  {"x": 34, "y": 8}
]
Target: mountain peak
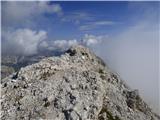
[{"x": 74, "y": 86}]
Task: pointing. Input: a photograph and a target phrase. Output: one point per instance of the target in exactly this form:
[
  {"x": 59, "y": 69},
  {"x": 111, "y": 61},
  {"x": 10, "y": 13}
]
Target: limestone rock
[{"x": 75, "y": 86}]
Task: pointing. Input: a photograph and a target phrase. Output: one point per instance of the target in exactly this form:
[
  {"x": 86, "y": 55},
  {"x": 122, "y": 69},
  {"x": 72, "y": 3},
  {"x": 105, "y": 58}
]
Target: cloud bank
[
  {"x": 29, "y": 42},
  {"x": 133, "y": 54},
  {"x": 22, "y": 41}
]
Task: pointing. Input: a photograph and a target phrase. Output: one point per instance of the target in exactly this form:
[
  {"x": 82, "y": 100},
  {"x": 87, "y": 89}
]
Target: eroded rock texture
[{"x": 75, "y": 86}]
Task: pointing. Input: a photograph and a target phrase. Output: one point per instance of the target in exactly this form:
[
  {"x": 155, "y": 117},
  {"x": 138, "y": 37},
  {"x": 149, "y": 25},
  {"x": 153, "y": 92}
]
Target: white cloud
[
  {"x": 20, "y": 11},
  {"x": 45, "y": 7},
  {"x": 22, "y": 41},
  {"x": 64, "y": 43},
  {"x": 17, "y": 17},
  {"x": 87, "y": 40},
  {"x": 61, "y": 44},
  {"x": 29, "y": 42},
  {"x": 90, "y": 40},
  {"x": 43, "y": 45}
]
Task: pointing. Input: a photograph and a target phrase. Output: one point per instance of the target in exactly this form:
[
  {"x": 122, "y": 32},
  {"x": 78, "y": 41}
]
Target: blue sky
[
  {"x": 124, "y": 34},
  {"x": 79, "y": 14},
  {"x": 93, "y": 12},
  {"x": 79, "y": 18}
]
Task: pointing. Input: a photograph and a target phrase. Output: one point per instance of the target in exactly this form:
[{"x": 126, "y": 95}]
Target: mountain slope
[
  {"x": 11, "y": 63},
  {"x": 75, "y": 86}
]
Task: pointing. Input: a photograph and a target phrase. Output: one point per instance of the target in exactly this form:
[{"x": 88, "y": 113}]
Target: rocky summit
[{"x": 77, "y": 85}]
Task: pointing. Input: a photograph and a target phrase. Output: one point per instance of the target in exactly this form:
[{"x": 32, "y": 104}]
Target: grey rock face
[{"x": 75, "y": 86}]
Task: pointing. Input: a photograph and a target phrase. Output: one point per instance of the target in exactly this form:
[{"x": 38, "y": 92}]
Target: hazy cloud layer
[
  {"x": 134, "y": 55},
  {"x": 133, "y": 52}
]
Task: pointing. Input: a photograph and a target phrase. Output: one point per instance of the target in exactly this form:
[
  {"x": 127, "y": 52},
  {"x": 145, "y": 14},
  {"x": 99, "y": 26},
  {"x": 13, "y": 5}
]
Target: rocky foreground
[{"x": 75, "y": 86}]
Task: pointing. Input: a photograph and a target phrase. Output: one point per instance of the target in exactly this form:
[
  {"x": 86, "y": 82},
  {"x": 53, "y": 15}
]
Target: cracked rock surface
[{"x": 75, "y": 86}]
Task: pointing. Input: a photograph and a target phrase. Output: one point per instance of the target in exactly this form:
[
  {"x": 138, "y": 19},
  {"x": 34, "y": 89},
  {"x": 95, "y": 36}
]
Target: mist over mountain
[
  {"x": 124, "y": 34},
  {"x": 77, "y": 85}
]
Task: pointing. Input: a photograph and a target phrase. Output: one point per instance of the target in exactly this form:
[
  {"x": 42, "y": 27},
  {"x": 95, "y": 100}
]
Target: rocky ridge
[
  {"x": 12, "y": 63},
  {"x": 75, "y": 86}
]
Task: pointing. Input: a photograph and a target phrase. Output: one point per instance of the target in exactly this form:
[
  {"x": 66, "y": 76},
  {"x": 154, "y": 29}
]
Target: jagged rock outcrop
[{"x": 75, "y": 86}]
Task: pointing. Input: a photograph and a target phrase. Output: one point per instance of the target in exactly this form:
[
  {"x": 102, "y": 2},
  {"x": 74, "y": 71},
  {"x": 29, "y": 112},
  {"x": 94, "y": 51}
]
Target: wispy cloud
[
  {"x": 77, "y": 17},
  {"x": 104, "y": 23},
  {"x": 93, "y": 25}
]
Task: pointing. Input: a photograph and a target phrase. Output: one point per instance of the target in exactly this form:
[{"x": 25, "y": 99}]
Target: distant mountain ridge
[
  {"x": 12, "y": 63},
  {"x": 77, "y": 85}
]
